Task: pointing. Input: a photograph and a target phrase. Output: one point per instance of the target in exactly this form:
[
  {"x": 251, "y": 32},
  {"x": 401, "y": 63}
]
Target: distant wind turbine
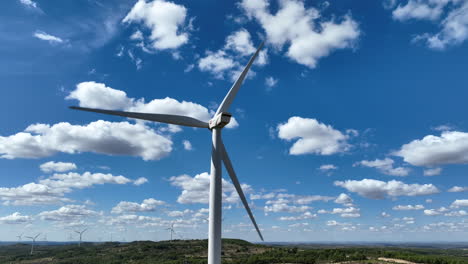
[
  {"x": 19, "y": 237},
  {"x": 80, "y": 233},
  {"x": 33, "y": 241},
  {"x": 218, "y": 155},
  {"x": 171, "y": 230}
]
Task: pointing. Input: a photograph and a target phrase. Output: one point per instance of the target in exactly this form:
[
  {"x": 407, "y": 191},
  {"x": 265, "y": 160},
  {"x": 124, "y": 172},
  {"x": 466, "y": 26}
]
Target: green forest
[{"x": 234, "y": 251}]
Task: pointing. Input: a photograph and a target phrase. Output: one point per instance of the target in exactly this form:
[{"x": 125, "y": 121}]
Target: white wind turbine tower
[
  {"x": 218, "y": 155},
  {"x": 80, "y": 233},
  {"x": 33, "y": 241}
]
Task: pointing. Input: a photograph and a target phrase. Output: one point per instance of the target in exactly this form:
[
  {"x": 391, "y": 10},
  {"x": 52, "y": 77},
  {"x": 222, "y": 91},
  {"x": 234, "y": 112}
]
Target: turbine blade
[
  {"x": 162, "y": 118},
  {"x": 235, "y": 181},
  {"x": 235, "y": 87}
]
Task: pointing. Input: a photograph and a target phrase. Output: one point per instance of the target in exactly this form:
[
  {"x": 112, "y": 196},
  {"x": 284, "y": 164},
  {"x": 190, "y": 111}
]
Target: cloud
[
  {"x": 53, "y": 166},
  {"x": 375, "y": 189},
  {"x": 224, "y": 62},
  {"x": 419, "y": 9},
  {"x": 265, "y": 196},
  {"x": 140, "y": 181},
  {"x": 270, "y": 82},
  {"x": 148, "y": 205},
  {"x": 196, "y": 189},
  {"x": 165, "y": 20},
  {"x": 15, "y": 218},
  {"x": 450, "y": 148},
  {"x": 384, "y": 214},
  {"x": 67, "y": 214},
  {"x": 240, "y": 42},
  {"x": 457, "y": 213},
  {"x": 432, "y": 212},
  {"x": 343, "y": 198},
  {"x": 29, "y": 4},
  {"x": 290, "y": 203},
  {"x": 432, "y": 172},
  {"x": 314, "y": 137},
  {"x": 187, "y": 145},
  {"x": 458, "y": 189},
  {"x": 327, "y": 167},
  {"x": 217, "y": 63},
  {"x": 459, "y": 203},
  {"x": 98, "y": 95},
  {"x": 118, "y": 138},
  {"x": 350, "y": 212},
  {"x": 408, "y": 207},
  {"x": 179, "y": 213},
  {"x": 308, "y": 35},
  {"x": 385, "y": 166},
  {"x": 52, "y": 190},
  {"x": 450, "y": 15},
  {"x": 305, "y": 215},
  {"x": 283, "y": 206},
  {"x": 47, "y": 37},
  {"x": 446, "y": 127}
]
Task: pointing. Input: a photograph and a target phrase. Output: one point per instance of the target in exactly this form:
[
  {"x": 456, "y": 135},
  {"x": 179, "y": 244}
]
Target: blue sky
[{"x": 350, "y": 127}]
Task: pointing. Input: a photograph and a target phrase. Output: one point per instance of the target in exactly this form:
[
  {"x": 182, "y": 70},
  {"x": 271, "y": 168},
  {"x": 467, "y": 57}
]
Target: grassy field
[{"x": 234, "y": 251}]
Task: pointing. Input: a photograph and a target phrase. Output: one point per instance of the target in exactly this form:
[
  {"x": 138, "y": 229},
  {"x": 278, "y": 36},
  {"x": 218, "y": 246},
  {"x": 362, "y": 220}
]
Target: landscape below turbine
[{"x": 218, "y": 154}]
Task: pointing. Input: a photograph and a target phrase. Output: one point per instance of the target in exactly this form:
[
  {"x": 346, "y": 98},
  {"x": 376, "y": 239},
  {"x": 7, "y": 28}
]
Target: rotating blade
[
  {"x": 162, "y": 118},
  {"x": 235, "y": 181}
]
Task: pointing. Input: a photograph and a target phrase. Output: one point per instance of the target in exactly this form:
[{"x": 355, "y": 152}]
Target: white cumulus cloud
[
  {"x": 196, "y": 189},
  {"x": 375, "y": 189},
  {"x": 408, "y": 207},
  {"x": 385, "y": 166},
  {"x": 53, "y": 166},
  {"x": 313, "y": 137},
  {"x": 119, "y": 138},
  {"x": 140, "y": 181},
  {"x": 148, "y": 205},
  {"x": 165, "y": 20},
  {"x": 15, "y": 218},
  {"x": 53, "y": 189},
  {"x": 225, "y": 61},
  {"x": 307, "y": 34},
  {"x": 449, "y": 148},
  {"x": 458, "y": 189},
  {"x": 451, "y": 17}
]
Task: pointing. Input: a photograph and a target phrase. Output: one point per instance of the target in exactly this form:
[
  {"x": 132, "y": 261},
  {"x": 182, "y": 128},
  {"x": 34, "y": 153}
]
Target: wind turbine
[
  {"x": 33, "y": 241},
  {"x": 171, "y": 230},
  {"x": 19, "y": 237},
  {"x": 218, "y": 155},
  {"x": 80, "y": 233}
]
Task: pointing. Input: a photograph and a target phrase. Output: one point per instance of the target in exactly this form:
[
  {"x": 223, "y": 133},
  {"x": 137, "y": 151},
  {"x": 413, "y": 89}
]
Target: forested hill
[{"x": 234, "y": 251}]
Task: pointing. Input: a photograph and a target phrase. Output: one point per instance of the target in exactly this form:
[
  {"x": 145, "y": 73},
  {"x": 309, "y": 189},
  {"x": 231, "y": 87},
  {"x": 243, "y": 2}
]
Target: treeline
[
  {"x": 311, "y": 256},
  {"x": 234, "y": 251}
]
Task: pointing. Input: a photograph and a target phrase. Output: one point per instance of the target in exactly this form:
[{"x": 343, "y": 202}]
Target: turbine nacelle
[{"x": 220, "y": 120}]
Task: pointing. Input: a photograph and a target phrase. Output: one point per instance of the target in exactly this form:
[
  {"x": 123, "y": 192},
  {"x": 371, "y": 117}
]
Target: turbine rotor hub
[{"x": 220, "y": 120}]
